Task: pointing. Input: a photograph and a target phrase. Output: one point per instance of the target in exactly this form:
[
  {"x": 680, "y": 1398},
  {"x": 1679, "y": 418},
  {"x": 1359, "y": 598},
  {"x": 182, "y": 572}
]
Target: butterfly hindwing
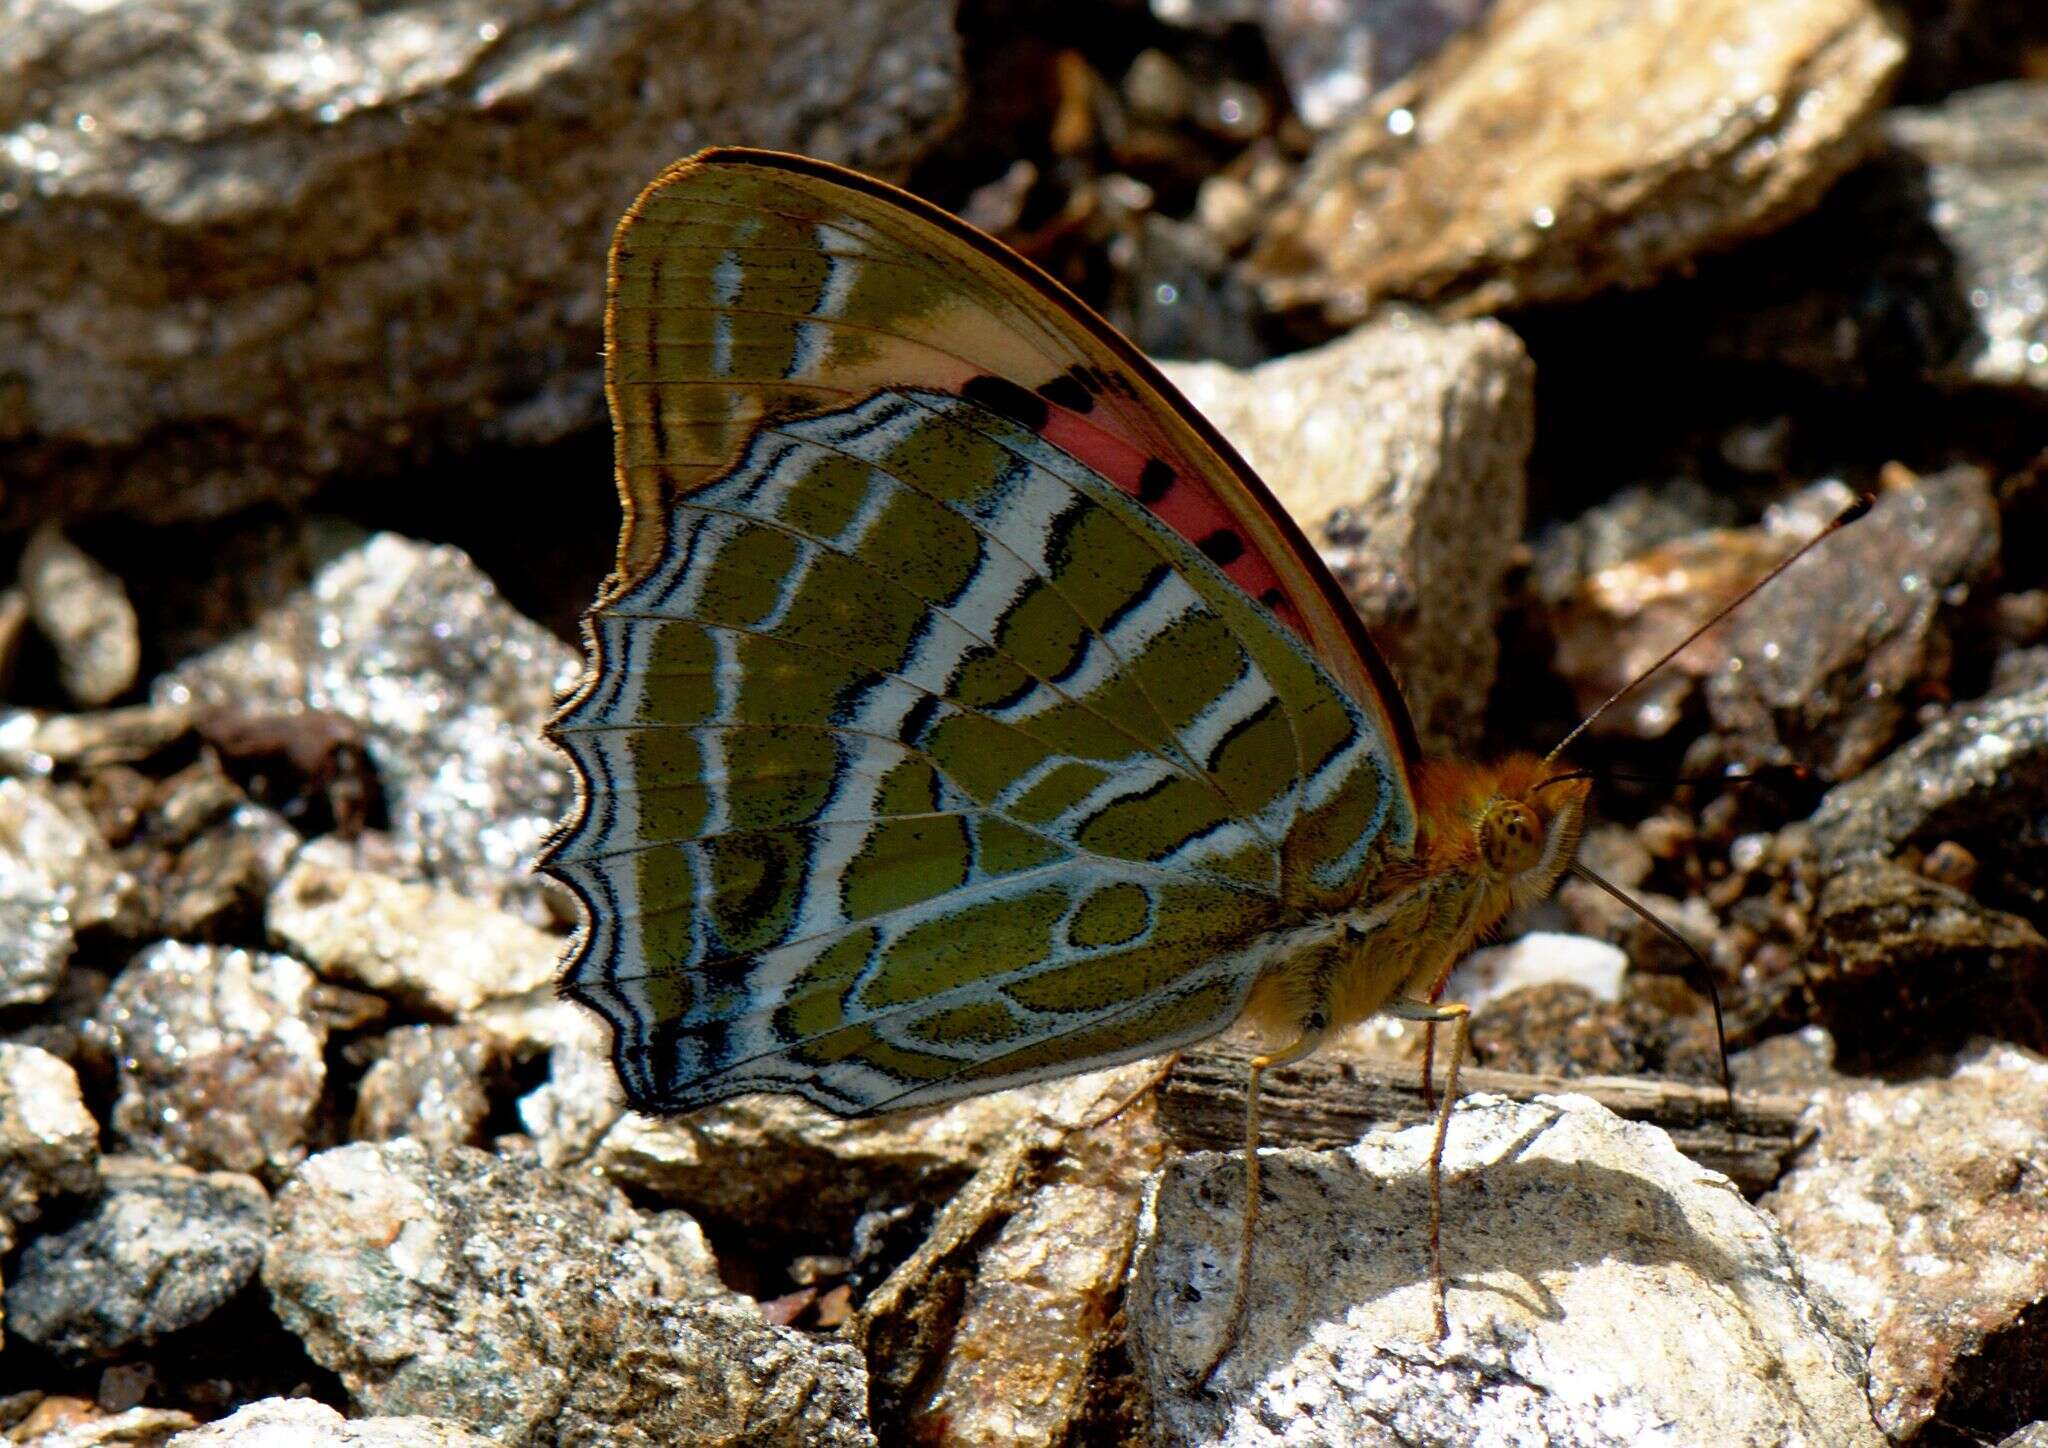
[{"x": 920, "y": 757}]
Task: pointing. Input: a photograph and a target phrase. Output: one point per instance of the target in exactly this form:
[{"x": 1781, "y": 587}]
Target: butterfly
[{"x": 963, "y": 711}]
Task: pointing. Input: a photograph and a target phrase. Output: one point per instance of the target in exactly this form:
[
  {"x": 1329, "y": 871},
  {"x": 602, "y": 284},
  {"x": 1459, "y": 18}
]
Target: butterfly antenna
[
  {"x": 1705, "y": 972},
  {"x": 1842, "y": 520}
]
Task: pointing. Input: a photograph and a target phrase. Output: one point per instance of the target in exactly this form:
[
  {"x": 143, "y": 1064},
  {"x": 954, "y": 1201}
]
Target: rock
[
  {"x": 450, "y": 686},
  {"x": 430, "y": 949},
  {"x": 1627, "y": 525},
  {"x": 216, "y": 885},
  {"x": 1904, "y": 964},
  {"x": 1985, "y": 160},
  {"x": 84, "y": 612},
  {"x": 1824, "y": 670},
  {"x": 162, "y": 1248},
  {"x": 1657, "y": 1027},
  {"x": 2034, "y": 1435},
  {"x": 76, "y": 1424},
  {"x": 1797, "y": 1061},
  {"x": 49, "y": 1142},
  {"x": 249, "y": 250},
  {"x": 1605, "y": 1290},
  {"x": 999, "y": 1327},
  {"x": 1821, "y": 669},
  {"x": 761, "y": 1160},
  {"x": 56, "y": 876},
  {"x": 110, "y": 736},
  {"x": 1177, "y": 296},
  {"x": 218, "y": 1055},
  {"x": 570, "y": 1112},
  {"x": 1542, "y": 957},
  {"x": 14, "y": 622},
  {"x": 303, "y": 1423},
  {"x": 1577, "y": 145},
  {"x": 534, "y": 1308},
  {"x": 1624, "y": 616},
  {"x": 428, "y": 1084},
  {"x": 1334, "y": 57},
  {"x": 1973, "y": 777},
  {"x": 1927, "y": 264},
  {"x": 1920, "y": 1208},
  {"x": 1399, "y": 450}
]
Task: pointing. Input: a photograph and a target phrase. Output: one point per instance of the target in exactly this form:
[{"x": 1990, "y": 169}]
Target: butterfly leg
[
  {"x": 1150, "y": 1084},
  {"x": 1455, "y": 1014},
  {"x": 1313, "y": 1030},
  {"x": 1429, "y": 1066}
]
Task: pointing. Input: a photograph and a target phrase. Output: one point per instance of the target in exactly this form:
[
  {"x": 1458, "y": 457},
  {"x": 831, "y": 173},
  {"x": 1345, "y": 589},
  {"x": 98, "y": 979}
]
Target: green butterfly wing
[{"x": 920, "y": 758}]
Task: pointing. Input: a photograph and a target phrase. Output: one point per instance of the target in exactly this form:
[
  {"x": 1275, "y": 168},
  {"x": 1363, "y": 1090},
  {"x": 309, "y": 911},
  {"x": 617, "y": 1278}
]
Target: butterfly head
[{"x": 1514, "y": 824}]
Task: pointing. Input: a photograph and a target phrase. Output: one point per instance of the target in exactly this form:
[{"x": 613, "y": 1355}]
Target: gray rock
[
  {"x": 248, "y": 249},
  {"x": 536, "y": 1308},
  {"x": 1334, "y": 56},
  {"x": 303, "y": 1423},
  {"x": 1974, "y": 776},
  {"x": 84, "y": 612},
  {"x": 431, "y": 949},
  {"x": 49, "y": 1142},
  {"x": 218, "y": 1055},
  {"x": 1921, "y": 1209},
  {"x": 1930, "y": 262},
  {"x": 1177, "y": 296},
  {"x": 1399, "y": 449},
  {"x": 1604, "y": 1290},
  {"x": 2034, "y": 1435},
  {"x": 163, "y": 1248},
  {"x": 56, "y": 875},
  {"x": 218, "y": 881},
  {"x": 1986, "y": 159},
  {"x": 569, "y": 1113},
  {"x": 427, "y": 1083},
  {"x": 1577, "y": 145},
  {"x": 1825, "y": 669},
  {"x": 1901, "y": 964},
  {"x": 450, "y": 686}
]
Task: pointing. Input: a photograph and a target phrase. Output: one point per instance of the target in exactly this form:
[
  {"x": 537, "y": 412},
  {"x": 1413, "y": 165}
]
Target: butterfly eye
[{"x": 1510, "y": 837}]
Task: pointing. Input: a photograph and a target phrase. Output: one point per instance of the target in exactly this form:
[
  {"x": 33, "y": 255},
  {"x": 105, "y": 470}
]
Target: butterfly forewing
[
  {"x": 748, "y": 285},
  {"x": 920, "y": 755}
]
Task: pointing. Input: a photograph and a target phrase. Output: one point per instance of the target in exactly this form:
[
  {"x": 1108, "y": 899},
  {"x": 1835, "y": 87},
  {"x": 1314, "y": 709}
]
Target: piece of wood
[{"x": 1332, "y": 1100}]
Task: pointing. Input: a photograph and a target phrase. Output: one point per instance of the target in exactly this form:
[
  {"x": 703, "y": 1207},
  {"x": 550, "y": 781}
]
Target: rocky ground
[{"x": 1556, "y": 322}]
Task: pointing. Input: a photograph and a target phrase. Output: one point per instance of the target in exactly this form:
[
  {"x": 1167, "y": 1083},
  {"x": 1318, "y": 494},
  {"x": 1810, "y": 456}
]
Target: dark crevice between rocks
[
  {"x": 1998, "y": 1389},
  {"x": 239, "y": 1354}
]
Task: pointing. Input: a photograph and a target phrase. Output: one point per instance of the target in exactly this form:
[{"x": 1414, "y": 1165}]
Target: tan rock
[
  {"x": 430, "y": 948},
  {"x": 995, "y": 1331},
  {"x": 1399, "y": 449},
  {"x": 1573, "y": 145}
]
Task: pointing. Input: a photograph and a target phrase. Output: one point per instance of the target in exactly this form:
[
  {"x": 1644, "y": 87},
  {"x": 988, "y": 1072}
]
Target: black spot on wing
[
  {"x": 1272, "y": 598},
  {"x": 1065, "y": 391},
  {"x": 1006, "y": 399},
  {"x": 1223, "y": 547},
  {"x": 1155, "y": 481}
]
